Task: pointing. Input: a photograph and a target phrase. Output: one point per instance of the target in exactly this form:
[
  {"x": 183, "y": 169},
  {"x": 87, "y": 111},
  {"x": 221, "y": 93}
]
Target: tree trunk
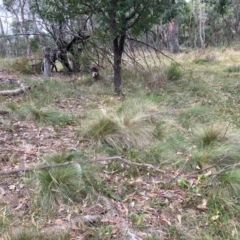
[
  {"x": 3, "y": 40},
  {"x": 46, "y": 62},
  {"x": 200, "y": 14},
  {"x": 64, "y": 60},
  {"x": 24, "y": 27},
  {"x": 118, "y": 48},
  {"x": 173, "y": 35}
]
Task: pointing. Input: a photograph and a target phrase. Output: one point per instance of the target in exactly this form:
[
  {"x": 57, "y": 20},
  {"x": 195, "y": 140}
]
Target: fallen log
[{"x": 15, "y": 92}]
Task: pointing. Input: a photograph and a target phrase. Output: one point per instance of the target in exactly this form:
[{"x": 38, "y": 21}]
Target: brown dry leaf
[
  {"x": 107, "y": 220},
  {"x": 19, "y": 206},
  {"x": 208, "y": 173},
  {"x": 203, "y": 205},
  {"x": 58, "y": 221},
  {"x": 68, "y": 218},
  {"x": 75, "y": 227}
]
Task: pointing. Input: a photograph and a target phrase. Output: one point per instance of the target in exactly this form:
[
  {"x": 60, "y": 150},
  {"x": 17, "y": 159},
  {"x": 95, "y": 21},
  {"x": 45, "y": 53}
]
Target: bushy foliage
[{"x": 173, "y": 72}]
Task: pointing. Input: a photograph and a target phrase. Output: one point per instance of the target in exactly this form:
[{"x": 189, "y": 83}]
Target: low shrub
[{"x": 173, "y": 72}]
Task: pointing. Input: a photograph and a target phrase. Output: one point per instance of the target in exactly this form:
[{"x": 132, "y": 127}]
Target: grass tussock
[
  {"x": 174, "y": 72},
  {"x": 130, "y": 124},
  {"x": 233, "y": 69},
  {"x": 64, "y": 184},
  {"x": 41, "y": 115},
  {"x": 209, "y": 134},
  {"x": 58, "y": 185}
]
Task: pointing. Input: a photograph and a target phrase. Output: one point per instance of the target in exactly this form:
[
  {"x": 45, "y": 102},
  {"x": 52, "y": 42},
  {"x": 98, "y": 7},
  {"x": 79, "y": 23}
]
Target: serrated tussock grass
[
  {"x": 225, "y": 189},
  {"x": 210, "y": 134},
  {"x": 130, "y": 124},
  {"x": 64, "y": 184},
  {"x": 49, "y": 116},
  {"x": 60, "y": 184}
]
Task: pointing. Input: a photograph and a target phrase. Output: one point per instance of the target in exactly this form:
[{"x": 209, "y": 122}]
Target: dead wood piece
[
  {"x": 2, "y": 191},
  {"x": 9, "y": 81},
  {"x": 4, "y": 112},
  {"x": 125, "y": 161},
  {"x": 14, "y": 171},
  {"x": 90, "y": 219},
  {"x": 15, "y": 92}
]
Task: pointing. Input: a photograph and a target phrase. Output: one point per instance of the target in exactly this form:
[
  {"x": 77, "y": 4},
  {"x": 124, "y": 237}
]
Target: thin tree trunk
[
  {"x": 118, "y": 48},
  {"x": 24, "y": 27},
  {"x": 173, "y": 35},
  {"x": 46, "y": 62},
  {"x": 200, "y": 24},
  {"x": 3, "y": 40}
]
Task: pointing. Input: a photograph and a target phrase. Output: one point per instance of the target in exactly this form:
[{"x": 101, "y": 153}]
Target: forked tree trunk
[{"x": 118, "y": 48}]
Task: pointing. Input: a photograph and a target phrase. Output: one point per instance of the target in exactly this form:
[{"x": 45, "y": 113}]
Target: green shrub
[{"x": 173, "y": 72}]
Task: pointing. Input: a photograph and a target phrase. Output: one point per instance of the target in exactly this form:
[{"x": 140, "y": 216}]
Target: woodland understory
[{"x": 159, "y": 161}]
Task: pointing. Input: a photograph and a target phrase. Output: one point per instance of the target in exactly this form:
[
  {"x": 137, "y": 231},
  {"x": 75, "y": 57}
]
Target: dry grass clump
[
  {"x": 211, "y": 57},
  {"x": 22, "y": 65},
  {"x": 131, "y": 124},
  {"x": 233, "y": 68},
  {"x": 158, "y": 80},
  {"x": 209, "y": 135}
]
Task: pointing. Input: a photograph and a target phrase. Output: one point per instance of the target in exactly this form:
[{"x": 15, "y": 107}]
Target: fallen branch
[
  {"x": 15, "y": 92},
  {"x": 123, "y": 160},
  {"x": 116, "y": 158},
  {"x": 195, "y": 173},
  {"x": 14, "y": 171}
]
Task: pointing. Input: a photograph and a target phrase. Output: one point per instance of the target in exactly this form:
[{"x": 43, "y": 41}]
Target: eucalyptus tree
[
  {"x": 115, "y": 21},
  {"x": 66, "y": 24},
  {"x": 118, "y": 19},
  {"x": 19, "y": 10}
]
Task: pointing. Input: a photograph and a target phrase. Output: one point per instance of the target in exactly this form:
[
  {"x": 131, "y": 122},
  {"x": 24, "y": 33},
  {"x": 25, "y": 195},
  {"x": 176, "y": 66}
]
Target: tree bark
[
  {"x": 118, "y": 48},
  {"x": 46, "y": 62},
  {"x": 3, "y": 41},
  {"x": 200, "y": 14},
  {"x": 173, "y": 35}
]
